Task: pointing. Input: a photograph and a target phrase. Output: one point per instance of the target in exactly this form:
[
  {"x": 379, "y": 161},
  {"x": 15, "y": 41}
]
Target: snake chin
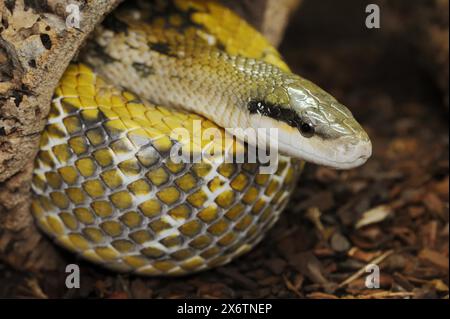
[
  {"x": 349, "y": 153},
  {"x": 344, "y": 152}
]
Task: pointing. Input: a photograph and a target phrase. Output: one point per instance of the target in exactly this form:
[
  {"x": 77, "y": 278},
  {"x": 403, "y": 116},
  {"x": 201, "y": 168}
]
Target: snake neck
[
  {"x": 210, "y": 83},
  {"x": 186, "y": 69}
]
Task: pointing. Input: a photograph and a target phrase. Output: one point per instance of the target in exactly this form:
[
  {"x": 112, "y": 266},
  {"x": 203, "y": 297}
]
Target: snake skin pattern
[
  {"x": 104, "y": 183},
  {"x": 106, "y": 188}
]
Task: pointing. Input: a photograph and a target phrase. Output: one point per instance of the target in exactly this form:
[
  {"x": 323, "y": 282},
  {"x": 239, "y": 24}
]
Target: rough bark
[
  {"x": 269, "y": 16},
  {"x": 35, "y": 48},
  {"x": 276, "y": 18}
]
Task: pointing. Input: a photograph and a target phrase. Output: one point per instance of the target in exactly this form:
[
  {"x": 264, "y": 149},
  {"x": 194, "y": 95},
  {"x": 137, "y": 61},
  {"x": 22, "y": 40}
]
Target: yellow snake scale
[{"x": 106, "y": 189}]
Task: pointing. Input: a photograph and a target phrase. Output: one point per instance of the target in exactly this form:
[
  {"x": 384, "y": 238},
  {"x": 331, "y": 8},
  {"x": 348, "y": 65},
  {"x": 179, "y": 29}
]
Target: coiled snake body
[{"x": 105, "y": 184}]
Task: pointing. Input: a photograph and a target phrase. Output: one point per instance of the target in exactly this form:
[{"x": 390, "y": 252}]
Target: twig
[
  {"x": 360, "y": 272},
  {"x": 290, "y": 286},
  {"x": 35, "y": 288}
]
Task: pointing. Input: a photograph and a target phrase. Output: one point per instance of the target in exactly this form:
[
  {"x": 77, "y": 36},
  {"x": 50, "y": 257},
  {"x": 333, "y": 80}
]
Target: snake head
[{"x": 312, "y": 125}]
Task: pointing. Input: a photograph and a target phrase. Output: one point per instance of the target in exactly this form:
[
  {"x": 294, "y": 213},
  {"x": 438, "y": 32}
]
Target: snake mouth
[
  {"x": 350, "y": 157},
  {"x": 337, "y": 154},
  {"x": 344, "y": 152}
]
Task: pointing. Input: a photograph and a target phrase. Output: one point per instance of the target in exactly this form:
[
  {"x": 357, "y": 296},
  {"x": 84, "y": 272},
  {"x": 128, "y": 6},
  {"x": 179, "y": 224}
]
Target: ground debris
[{"x": 374, "y": 215}]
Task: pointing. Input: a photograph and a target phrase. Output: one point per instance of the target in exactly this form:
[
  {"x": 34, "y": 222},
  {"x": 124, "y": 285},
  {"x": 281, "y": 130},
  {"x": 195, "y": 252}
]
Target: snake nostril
[{"x": 365, "y": 149}]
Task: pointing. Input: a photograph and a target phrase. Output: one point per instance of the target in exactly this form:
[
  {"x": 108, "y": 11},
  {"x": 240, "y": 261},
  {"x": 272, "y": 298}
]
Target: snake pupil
[{"x": 306, "y": 129}]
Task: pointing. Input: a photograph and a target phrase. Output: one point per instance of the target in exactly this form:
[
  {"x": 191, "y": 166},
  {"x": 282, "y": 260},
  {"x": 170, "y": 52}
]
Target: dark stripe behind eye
[{"x": 276, "y": 112}]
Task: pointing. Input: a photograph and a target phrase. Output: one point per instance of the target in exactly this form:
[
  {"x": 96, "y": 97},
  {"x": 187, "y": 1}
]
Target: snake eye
[{"x": 306, "y": 129}]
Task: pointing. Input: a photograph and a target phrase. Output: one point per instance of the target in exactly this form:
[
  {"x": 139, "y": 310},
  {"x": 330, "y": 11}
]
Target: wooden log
[
  {"x": 269, "y": 16},
  {"x": 35, "y": 49}
]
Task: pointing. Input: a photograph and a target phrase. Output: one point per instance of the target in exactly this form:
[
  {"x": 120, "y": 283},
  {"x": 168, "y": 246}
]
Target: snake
[{"x": 105, "y": 183}]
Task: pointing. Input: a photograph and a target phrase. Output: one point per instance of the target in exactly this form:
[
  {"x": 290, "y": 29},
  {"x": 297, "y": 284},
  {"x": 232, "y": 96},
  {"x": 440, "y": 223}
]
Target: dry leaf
[{"x": 374, "y": 215}]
